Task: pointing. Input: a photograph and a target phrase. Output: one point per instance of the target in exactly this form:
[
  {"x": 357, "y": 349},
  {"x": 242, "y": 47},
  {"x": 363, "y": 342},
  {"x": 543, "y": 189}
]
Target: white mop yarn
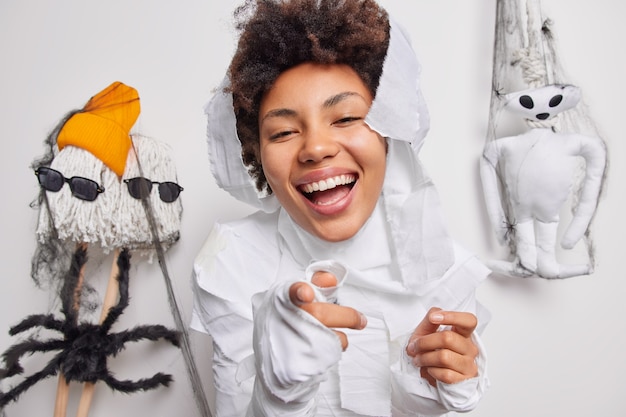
[
  {"x": 152, "y": 159},
  {"x": 77, "y": 220}
]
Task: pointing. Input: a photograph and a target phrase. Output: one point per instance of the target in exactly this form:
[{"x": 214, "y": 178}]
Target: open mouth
[{"x": 329, "y": 190}]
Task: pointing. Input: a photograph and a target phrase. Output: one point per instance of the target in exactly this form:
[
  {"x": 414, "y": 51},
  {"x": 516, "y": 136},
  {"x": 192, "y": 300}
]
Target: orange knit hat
[{"x": 103, "y": 126}]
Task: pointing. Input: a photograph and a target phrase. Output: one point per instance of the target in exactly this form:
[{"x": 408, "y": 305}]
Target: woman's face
[{"x": 324, "y": 164}]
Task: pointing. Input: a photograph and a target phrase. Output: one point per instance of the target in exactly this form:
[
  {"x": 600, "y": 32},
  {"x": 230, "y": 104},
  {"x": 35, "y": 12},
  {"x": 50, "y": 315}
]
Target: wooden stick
[
  {"x": 63, "y": 387},
  {"x": 63, "y": 391},
  {"x": 110, "y": 298}
]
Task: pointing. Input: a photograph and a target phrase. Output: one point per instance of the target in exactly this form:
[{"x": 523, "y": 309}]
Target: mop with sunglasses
[{"x": 95, "y": 193}]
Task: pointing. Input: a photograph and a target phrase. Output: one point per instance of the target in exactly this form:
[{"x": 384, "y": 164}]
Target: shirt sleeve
[
  {"x": 232, "y": 393},
  {"x": 222, "y": 292},
  {"x": 269, "y": 356},
  {"x": 293, "y": 353}
]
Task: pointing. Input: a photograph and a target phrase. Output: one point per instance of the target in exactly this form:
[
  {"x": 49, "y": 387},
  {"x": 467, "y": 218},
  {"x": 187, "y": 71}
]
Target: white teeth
[{"x": 328, "y": 183}]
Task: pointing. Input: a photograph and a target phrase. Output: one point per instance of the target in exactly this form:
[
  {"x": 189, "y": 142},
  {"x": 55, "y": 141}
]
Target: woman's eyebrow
[
  {"x": 279, "y": 113},
  {"x": 337, "y": 98},
  {"x": 329, "y": 102}
]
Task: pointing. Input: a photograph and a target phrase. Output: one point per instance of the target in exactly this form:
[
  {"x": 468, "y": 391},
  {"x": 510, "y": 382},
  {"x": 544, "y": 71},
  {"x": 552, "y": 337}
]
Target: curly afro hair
[{"x": 277, "y": 35}]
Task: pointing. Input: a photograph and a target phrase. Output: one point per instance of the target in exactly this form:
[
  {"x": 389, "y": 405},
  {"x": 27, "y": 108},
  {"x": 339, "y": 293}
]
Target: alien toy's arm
[
  {"x": 493, "y": 200},
  {"x": 593, "y": 150}
]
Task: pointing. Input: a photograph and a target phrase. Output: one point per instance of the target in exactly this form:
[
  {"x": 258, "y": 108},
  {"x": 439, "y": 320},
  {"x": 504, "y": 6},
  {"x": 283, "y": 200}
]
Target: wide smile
[{"x": 329, "y": 191}]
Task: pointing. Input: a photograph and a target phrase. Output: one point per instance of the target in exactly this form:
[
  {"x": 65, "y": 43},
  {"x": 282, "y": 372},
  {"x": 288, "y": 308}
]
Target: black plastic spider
[{"x": 85, "y": 346}]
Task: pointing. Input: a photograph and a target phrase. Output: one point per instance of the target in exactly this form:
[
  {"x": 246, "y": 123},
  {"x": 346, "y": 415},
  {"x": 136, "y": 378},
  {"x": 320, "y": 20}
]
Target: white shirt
[{"x": 258, "y": 258}]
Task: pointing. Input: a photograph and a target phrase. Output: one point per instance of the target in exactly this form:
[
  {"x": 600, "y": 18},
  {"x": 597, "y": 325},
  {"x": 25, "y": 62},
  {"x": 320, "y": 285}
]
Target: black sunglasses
[
  {"x": 83, "y": 188},
  {"x": 140, "y": 187}
]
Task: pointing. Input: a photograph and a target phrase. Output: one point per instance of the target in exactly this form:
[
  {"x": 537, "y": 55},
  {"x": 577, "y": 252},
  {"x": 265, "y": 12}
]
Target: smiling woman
[
  {"x": 264, "y": 52},
  {"x": 325, "y": 165},
  {"x": 324, "y": 148}
]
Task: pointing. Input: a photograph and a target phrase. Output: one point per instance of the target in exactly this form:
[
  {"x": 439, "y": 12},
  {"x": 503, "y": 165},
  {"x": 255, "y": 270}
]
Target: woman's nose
[{"x": 318, "y": 146}]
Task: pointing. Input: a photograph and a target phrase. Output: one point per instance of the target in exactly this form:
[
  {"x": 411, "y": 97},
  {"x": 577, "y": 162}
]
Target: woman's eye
[
  {"x": 347, "y": 120},
  {"x": 281, "y": 135}
]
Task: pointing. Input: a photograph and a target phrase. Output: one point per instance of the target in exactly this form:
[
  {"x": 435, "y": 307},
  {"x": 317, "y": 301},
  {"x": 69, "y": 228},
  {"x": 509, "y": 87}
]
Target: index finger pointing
[{"x": 336, "y": 316}]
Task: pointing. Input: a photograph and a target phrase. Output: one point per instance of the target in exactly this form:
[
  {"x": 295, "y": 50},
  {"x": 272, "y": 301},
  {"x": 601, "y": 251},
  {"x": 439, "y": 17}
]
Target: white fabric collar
[{"x": 367, "y": 249}]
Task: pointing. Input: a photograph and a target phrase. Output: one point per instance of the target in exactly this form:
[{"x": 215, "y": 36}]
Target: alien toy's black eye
[
  {"x": 526, "y": 102},
  {"x": 556, "y": 100}
]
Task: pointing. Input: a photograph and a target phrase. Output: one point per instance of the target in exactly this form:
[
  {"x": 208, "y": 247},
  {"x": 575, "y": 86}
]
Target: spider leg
[
  {"x": 47, "y": 321},
  {"x": 49, "y": 370},
  {"x": 71, "y": 286},
  {"x": 13, "y": 354},
  {"x": 123, "y": 264},
  {"x": 144, "y": 384},
  {"x": 151, "y": 332}
]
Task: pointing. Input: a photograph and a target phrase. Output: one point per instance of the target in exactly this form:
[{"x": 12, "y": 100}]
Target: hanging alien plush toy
[
  {"x": 532, "y": 175},
  {"x": 541, "y": 183}
]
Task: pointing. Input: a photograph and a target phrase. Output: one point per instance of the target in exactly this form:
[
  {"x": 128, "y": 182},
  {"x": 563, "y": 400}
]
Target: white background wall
[{"x": 556, "y": 347}]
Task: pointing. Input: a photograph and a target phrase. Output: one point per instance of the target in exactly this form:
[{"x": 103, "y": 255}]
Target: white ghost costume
[{"x": 272, "y": 358}]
